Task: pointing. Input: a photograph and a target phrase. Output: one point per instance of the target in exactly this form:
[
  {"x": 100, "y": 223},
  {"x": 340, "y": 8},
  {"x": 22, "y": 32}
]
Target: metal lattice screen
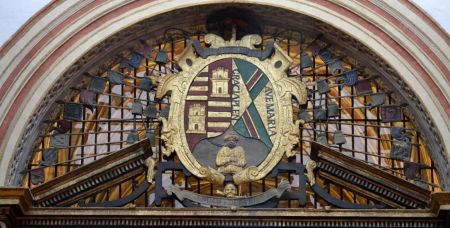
[{"x": 115, "y": 111}]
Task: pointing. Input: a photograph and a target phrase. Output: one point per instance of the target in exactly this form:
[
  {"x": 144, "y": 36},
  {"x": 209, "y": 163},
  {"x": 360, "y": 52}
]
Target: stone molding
[{"x": 32, "y": 67}]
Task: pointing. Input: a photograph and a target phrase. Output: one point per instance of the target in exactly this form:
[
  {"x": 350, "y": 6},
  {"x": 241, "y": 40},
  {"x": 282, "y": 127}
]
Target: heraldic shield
[{"x": 231, "y": 109}]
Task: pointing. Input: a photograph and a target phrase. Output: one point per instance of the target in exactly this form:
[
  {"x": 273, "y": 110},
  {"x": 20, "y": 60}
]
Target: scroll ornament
[
  {"x": 151, "y": 164},
  {"x": 310, "y": 166},
  {"x": 268, "y": 67},
  {"x": 167, "y": 135}
]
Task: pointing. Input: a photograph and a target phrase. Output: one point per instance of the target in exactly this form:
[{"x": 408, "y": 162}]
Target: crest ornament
[{"x": 231, "y": 109}]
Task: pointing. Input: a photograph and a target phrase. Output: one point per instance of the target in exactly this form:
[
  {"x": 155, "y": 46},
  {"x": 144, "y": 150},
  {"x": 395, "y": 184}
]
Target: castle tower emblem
[
  {"x": 197, "y": 119},
  {"x": 226, "y": 74},
  {"x": 220, "y": 83}
]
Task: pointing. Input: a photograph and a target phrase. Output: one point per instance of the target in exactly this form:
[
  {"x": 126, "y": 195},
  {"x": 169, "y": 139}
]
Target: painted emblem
[{"x": 231, "y": 109}]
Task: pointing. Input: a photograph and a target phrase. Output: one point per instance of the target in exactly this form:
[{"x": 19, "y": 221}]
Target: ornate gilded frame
[{"x": 173, "y": 132}]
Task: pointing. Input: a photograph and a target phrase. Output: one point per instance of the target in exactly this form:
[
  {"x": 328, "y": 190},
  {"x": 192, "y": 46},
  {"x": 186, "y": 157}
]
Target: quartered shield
[
  {"x": 115, "y": 77},
  {"x": 304, "y": 115},
  {"x": 336, "y": 67},
  {"x": 314, "y": 48},
  {"x": 348, "y": 78},
  {"x": 145, "y": 84},
  {"x": 339, "y": 138},
  {"x": 323, "y": 87},
  {"x": 161, "y": 57},
  {"x": 320, "y": 114},
  {"x": 63, "y": 126},
  {"x": 326, "y": 56},
  {"x": 49, "y": 156},
  {"x": 401, "y": 150},
  {"x": 306, "y": 61},
  {"x": 232, "y": 101},
  {"x": 151, "y": 111},
  {"x": 137, "y": 108},
  {"x": 230, "y": 95},
  {"x": 399, "y": 133},
  {"x": 391, "y": 113},
  {"x": 322, "y": 138},
  {"x": 73, "y": 111},
  {"x": 377, "y": 99},
  {"x": 332, "y": 110},
  {"x": 363, "y": 87},
  {"x": 59, "y": 140},
  {"x": 97, "y": 85},
  {"x": 136, "y": 60},
  {"x": 88, "y": 98},
  {"x": 133, "y": 136},
  {"x": 412, "y": 170},
  {"x": 37, "y": 176}
]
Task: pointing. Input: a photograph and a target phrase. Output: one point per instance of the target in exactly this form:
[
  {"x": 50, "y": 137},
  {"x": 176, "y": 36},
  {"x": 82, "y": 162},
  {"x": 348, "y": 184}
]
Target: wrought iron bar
[
  {"x": 95, "y": 105},
  {"x": 154, "y": 120},
  {"x": 350, "y": 150},
  {"x": 350, "y": 96},
  {"x": 76, "y": 146},
  {"x": 319, "y": 66},
  {"x": 326, "y": 75},
  {"x": 72, "y": 160},
  {"x": 359, "y": 136},
  {"x": 355, "y": 124},
  {"x": 96, "y": 132}
]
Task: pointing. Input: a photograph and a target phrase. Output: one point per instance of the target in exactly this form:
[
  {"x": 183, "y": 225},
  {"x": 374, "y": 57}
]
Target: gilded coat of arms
[{"x": 231, "y": 111}]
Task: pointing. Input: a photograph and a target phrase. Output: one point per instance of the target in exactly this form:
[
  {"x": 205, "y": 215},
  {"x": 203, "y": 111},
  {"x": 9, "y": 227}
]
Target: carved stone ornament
[
  {"x": 151, "y": 164},
  {"x": 310, "y": 166},
  {"x": 231, "y": 109},
  {"x": 232, "y": 201}
]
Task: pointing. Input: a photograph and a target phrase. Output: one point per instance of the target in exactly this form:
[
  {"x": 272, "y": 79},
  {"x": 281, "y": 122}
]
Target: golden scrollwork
[
  {"x": 168, "y": 134},
  {"x": 212, "y": 175},
  {"x": 310, "y": 166},
  {"x": 291, "y": 137},
  {"x": 173, "y": 131},
  {"x": 291, "y": 87},
  {"x": 151, "y": 164},
  {"x": 248, "y": 174},
  {"x": 248, "y": 41}
]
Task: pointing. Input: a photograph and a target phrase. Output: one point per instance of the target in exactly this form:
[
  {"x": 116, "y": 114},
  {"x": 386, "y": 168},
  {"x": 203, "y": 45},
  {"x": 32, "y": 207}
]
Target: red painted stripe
[
  {"x": 254, "y": 79},
  {"x": 376, "y": 31},
  {"x": 193, "y": 139},
  {"x": 429, "y": 20},
  {"x": 248, "y": 122},
  {"x": 202, "y": 93},
  {"x": 417, "y": 40},
  {"x": 35, "y": 50},
  {"x": 111, "y": 15},
  {"x": 218, "y": 119},
  {"x": 219, "y": 109},
  {"x": 227, "y": 99},
  {"x": 54, "y": 56},
  {"x": 27, "y": 26},
  {"x": 198, "y": 83},
  {"x": 217, "y": 129}
]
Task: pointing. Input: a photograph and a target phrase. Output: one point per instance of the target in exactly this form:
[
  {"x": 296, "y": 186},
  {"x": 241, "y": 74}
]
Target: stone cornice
[
  {"x": 15, "y": 209},
  {"x": 31, "y": 70}
]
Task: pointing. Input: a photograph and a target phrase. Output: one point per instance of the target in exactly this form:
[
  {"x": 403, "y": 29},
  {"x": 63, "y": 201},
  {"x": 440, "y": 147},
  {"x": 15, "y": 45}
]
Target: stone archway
[{"x": 38, "y": 55}]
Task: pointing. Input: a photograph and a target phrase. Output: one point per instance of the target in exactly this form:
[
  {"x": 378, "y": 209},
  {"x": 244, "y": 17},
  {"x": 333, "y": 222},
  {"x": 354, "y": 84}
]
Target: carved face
[
  {"x": 231, "y": 143},
  {"x": 230, "y": 190},
  {"x": 231, "y": 90}
]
